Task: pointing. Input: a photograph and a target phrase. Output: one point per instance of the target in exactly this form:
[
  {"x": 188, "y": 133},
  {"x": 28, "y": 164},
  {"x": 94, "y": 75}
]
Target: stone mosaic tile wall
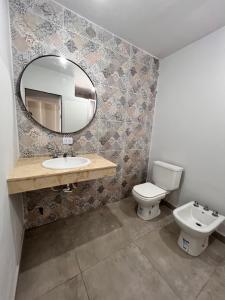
[{"x": 125, "y": 78}]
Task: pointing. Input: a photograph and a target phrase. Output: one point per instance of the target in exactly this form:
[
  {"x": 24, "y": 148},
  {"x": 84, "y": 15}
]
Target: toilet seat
[
  {"x": 148, "y": 200},
  {"x": 148, "y": 191},
  {"x": 148, "y": 197}
]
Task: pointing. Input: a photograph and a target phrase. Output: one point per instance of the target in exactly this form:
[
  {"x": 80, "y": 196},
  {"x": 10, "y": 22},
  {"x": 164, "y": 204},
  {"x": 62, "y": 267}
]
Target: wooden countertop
[{"x": 29, "y": 174}]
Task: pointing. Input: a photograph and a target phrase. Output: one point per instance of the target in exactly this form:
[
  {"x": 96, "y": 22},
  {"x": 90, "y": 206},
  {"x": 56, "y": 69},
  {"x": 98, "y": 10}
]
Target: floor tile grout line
[
  {"x": 129, "y": 242},
  {"x": 133, "y": 241},
  {"x": 211, "y": 275},
  {"x": 61, "y": 282},
  {"x": 161, "y": 276},
  {"x": 205, "y": 284},
  {"x": 149, "y": 230},
  {"x": 81, "y": 274},
  {"x": 107, "y": 257},
  {"x": 85, "y": 286},
  {"x": 56, "y": 286}
]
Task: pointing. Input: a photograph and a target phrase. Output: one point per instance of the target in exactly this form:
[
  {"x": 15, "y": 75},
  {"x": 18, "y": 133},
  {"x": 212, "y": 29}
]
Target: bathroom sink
[{"x": 66, "y": 163}]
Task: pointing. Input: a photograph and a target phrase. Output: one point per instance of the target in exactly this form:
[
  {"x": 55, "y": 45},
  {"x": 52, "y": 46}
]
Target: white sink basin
[{"x": 66, "y": 163}]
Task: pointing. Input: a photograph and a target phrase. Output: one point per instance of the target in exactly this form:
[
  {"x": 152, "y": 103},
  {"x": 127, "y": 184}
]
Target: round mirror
[{"x": 58, "y": 94}]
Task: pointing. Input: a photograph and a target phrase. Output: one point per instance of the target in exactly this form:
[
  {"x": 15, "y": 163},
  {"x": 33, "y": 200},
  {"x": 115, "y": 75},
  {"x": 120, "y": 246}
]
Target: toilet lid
[{"x": 148, "y": 190}]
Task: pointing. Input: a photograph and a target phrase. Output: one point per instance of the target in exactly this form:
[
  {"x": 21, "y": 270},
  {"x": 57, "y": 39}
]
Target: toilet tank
[{"x": 166, "y": 176}]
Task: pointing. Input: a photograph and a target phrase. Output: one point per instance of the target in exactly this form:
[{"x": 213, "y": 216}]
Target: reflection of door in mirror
[{"x": 45, "y": 108}]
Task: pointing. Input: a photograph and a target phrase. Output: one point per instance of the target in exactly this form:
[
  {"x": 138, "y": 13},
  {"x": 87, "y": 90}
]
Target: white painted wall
[
  {"x": 49, "y": 81},
  {"x": 76, "y": 114},
  {"x": 189, "y": 126},
  {"x": 11, "y": 228}
]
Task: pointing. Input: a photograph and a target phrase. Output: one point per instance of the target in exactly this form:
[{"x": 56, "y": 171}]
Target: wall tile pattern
[{"x": 125, "y": 78}]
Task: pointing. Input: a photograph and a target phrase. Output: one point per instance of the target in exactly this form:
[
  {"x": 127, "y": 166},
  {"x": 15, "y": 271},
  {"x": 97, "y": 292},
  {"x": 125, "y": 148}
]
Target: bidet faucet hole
[
  {"x": 41, "y": 210},
  {"x": 198, "y": 224}
]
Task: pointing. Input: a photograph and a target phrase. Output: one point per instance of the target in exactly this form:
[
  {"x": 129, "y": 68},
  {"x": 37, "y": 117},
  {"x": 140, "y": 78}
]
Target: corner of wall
[
  {"x": 11, "y": 211},
  {"x": 150, "y": 158}
]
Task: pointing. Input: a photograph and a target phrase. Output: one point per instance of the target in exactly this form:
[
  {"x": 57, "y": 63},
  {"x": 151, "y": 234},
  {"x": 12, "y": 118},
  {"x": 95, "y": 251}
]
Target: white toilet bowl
[
  {"x": 196, "y": 225},
  {"x": 148, "y": 196}
]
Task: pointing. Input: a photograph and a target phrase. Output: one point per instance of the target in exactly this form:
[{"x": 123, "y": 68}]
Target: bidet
[{"x": 196, "y": 223}]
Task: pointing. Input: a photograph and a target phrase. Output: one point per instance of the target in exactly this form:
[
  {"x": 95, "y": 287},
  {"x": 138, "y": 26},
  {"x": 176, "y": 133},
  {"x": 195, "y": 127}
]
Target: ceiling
[{"x": 160, "y": 27}]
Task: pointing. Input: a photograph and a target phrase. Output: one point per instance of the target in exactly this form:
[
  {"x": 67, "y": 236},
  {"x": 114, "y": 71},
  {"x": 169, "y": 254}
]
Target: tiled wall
[{"x": 125, "y": 78}]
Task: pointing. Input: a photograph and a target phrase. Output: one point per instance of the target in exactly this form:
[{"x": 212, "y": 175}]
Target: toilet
[
  {"x": 196, "y": 223},
  {"x": 166, "y": 178}
]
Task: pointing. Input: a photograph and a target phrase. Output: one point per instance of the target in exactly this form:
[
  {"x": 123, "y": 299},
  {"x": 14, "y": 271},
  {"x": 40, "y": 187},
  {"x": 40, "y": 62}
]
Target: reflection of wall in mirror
[
  {"x": 77, "y": 114},
  {"x": 48, "y": 81}
]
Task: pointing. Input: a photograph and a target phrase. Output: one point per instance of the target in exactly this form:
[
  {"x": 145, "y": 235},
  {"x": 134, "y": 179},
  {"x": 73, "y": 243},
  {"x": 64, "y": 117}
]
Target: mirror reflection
[{"x": 58, "y": 94}]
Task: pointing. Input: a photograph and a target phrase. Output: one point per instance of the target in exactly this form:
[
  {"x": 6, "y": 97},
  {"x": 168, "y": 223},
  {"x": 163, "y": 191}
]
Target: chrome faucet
[
  {"x": 70, "y": 153},
  {"x": 73, "y": 154},
  {"x": 196, "y": 204}
]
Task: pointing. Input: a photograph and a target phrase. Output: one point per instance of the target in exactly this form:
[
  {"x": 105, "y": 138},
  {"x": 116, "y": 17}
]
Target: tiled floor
[{"x": 111, "y": 254}]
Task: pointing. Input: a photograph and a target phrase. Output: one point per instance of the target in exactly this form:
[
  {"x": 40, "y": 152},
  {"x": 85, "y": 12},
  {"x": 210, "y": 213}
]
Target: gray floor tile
[
  {"x": 185, "y": 274},
  {"x": 43, "y": 246},
  {"x": 91, "y": 225},
  {"x": 91, "y": 253},
  {"x": 38, "y": 280},
  {"x": 126, "y": 275},
  {"x": 215, "y": 287},
  {"x": 52, "y": 240},
  {"x": 135, "y": 227},
  {"x": 102, "y": 241},
  {"x": 215, "y": 253},
  {"x": 73, "y": 289}
]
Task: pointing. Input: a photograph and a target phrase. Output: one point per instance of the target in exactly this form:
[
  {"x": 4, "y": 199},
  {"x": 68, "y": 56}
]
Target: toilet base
[
  {"x": 192, "y": 245},
  {"x": 148, "y": 213}
]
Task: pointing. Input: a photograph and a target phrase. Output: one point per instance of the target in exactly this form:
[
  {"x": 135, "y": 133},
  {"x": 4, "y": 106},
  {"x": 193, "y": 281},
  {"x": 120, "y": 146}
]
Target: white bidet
[{"x": 196, "y": 223}]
